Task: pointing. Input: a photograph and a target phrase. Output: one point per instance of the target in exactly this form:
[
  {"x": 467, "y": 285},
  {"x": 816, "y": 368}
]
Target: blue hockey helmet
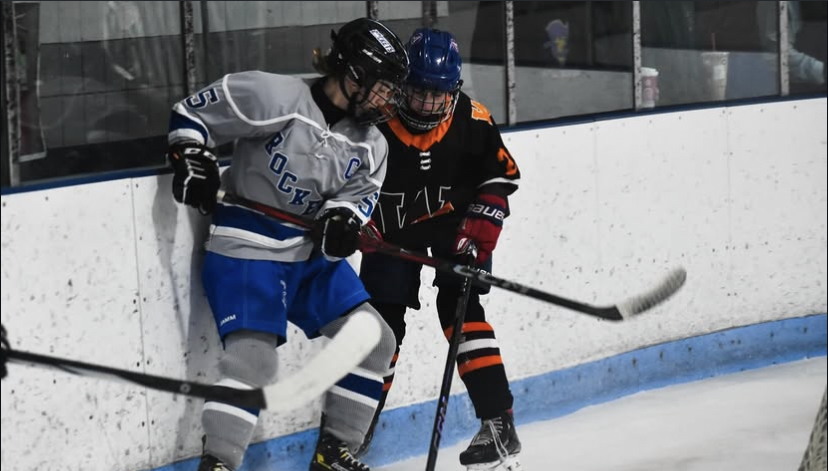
[{"x": 433, "y": 83}]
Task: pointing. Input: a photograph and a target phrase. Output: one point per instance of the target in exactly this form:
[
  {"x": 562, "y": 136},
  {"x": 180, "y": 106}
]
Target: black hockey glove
[
  {"x": 336, "y": 233},
  {"x": 6, "y": 348},
  {"x": 196, "y": 180}
]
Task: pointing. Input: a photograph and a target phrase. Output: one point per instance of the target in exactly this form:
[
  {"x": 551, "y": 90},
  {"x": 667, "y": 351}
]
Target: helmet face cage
[
  {"x": 430, "y": 93},
  {"x": 425, "y": 109},
  {"x": 374, "y": 58},
  {"x": 378, "y": 106},
  {"x": 375, "y": 101}
]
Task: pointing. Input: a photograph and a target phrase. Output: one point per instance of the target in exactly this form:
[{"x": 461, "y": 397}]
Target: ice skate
[
  {"x": 510, "y": 463},
  {"x": 495, "y": 447},
  {"x": 211, "y": 463},
  {"x": 333, "y": 454}
]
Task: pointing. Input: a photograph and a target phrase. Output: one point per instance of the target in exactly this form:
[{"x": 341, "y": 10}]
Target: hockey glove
[
  {"x": 336, "y": 233},
  {"x": 196, "y": 177},
  {"x": 369, "y": 236},
  {"x": 482, "y": 225}
]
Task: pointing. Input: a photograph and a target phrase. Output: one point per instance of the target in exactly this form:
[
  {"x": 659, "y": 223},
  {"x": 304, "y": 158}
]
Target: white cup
[
  {"x": 649, "y": 87},
  {"x": 715, "y": 66}
]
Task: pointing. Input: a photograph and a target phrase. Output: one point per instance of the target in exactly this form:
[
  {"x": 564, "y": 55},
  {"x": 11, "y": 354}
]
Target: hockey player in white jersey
[{"x": 308, "y": 147}]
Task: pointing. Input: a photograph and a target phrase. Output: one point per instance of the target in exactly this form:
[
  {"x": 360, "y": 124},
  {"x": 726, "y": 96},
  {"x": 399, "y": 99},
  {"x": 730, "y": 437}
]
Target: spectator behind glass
[{"x": 802, "y": 67}]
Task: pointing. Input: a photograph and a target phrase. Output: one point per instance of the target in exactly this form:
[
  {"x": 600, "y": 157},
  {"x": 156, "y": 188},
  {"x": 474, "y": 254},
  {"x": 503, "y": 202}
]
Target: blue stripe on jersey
[
  {"x": 240, "y": 218},
  {"x": 364, "y": 386},
  {"x": 179, "y": 121}
]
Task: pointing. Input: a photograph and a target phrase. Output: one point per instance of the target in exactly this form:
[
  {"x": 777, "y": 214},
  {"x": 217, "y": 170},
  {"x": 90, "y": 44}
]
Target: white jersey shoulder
[
  {"x": 240, "y": 105},
  {"x": 261, "y": 98}
]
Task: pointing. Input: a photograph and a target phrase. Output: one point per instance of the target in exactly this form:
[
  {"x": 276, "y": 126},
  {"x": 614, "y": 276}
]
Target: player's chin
[{"x": 378, "y": 114}]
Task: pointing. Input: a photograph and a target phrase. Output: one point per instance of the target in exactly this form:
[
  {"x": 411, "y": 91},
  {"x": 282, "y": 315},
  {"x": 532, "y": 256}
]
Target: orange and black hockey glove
[{"x": 482, "y": 225}]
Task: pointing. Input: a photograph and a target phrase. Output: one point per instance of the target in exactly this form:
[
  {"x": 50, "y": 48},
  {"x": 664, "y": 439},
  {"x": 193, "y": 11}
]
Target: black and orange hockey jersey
[{"x": 432, "y": 177}]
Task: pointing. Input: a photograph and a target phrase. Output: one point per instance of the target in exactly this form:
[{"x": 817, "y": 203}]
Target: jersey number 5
[{"x": 202, "y": 99}]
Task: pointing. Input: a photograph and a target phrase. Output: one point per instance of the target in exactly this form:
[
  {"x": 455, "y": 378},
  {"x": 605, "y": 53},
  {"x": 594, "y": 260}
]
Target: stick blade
[
  {"x": 668, "y": 287},
  {"x": 341, "y": 355}
]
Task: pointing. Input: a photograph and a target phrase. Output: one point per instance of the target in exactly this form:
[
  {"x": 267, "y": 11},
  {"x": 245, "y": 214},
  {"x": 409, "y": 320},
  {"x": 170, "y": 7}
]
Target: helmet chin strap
[{"x": 352, "y": 102}]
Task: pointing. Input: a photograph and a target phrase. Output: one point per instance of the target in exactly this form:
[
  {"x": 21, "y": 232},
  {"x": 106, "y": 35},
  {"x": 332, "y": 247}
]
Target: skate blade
[{"x": 511, "y": 463}]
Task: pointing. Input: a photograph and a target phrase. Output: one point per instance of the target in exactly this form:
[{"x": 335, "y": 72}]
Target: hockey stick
[
  {"x": 621, "y": 311},
  {"x": 342, "y": 354},
  {"x": 448, "y": 373}
]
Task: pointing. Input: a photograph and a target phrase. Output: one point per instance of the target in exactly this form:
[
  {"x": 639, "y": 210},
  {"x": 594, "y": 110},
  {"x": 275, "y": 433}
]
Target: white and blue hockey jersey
[{"x": 285, "y": 156}]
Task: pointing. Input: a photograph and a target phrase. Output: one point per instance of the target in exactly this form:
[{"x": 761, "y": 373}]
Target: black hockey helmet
[{"x": 367, "y": 52}]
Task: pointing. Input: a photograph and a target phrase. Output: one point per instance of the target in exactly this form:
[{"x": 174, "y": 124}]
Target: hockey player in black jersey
[{"x": 448, "y": 181}]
